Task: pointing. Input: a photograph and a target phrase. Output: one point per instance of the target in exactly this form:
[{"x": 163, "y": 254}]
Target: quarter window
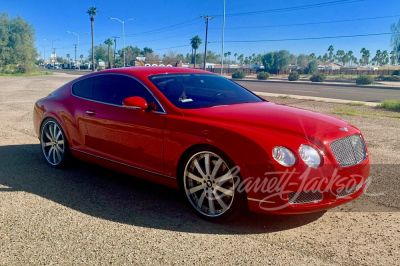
[{"x": 83, "y": 88}]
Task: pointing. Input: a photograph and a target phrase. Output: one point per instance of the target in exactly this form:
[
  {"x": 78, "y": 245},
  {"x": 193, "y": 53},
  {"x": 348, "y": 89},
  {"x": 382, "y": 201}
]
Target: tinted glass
[
  {"x": 191, "y": 91},
  {"x": 114, "y": 89},
  {"x": 83, "y": 88}
]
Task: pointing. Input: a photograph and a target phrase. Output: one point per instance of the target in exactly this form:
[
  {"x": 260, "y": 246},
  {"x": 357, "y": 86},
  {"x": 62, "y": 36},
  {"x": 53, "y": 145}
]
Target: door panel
[{"x": 130, "y": 136}]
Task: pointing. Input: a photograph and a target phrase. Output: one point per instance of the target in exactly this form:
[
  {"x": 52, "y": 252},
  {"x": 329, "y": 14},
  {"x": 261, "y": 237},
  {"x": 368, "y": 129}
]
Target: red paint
[{"x": 155, "y": 141}]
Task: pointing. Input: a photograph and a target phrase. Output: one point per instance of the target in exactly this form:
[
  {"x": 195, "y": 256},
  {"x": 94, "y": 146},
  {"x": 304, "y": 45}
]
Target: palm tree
[
  {"x": 229, "y": 54},
  {"x": 195, "y": 43},
  {"x": 109, "y": 43},
  {"x": 235, "y": 55},
  {"x": 365, "y": 55},
  {"x": 92, "y": 13},
  {"x": 68, "y": 56},
  {"x": 330, "y": 50}
]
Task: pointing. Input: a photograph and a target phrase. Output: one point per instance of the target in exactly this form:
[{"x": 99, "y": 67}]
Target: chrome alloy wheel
[
  {"x": 52, "y": 141},
  {"x": 209, "y": 184}
]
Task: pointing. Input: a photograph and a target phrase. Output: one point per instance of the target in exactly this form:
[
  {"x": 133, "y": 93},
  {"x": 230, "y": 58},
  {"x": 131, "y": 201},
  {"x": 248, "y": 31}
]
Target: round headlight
[
  {"x": 283, "y": 156},
  {"x": 310, "y": 156}
]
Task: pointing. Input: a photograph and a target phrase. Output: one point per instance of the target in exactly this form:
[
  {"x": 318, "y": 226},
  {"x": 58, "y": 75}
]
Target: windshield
[{"x": 192, "y": 91}]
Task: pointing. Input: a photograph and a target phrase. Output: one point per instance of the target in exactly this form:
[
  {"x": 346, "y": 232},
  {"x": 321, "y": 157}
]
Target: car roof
[{"x": 149, "y": 70}]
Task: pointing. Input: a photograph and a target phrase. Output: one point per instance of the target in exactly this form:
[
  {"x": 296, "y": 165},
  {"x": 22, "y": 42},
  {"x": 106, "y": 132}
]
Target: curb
[
  {"x": 330, "y": 100},
  {"x": 319, "y": 83}
]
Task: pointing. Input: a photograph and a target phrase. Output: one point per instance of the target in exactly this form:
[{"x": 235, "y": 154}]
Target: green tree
[
  {"x": 330, "y": 50},
  {"x": 229, "y": 56},
  {"x": 395, "y": 39},
  {"x": 147, "y": 50},
  {"x": 268, "y": 61},
  {"x": 92, "y": 13},
  {"x": 130, "y": 54},
  {"x": 235, "y": 55},
  {"x": 339, "y": 55},
  {"x": 365, "y": 56},
  {"x": 281, "y": 60},
  {"x": 241, "y": 59},
  {"x": 109, "y": 43},
  {"x": 325, "y": 57},
  {"x": 100, "y": 53},
  {"x": 17, "y": 49},
  {"x": 311, "y": 56},
  {"x": 393, "y": 58},
  {"x": 312, "y": 67},
  {"x": 195, "y": 42},
  {"x": 68, "y": 56},
  {"x": 302, "y": 60}
]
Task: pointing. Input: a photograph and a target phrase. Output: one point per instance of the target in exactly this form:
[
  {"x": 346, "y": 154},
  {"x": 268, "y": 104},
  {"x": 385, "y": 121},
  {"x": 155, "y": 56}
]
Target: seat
[{"x": 174, "y": 90}]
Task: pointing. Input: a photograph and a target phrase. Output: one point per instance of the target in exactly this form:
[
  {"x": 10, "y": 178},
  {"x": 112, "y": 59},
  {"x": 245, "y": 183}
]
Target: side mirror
[{"x": 135, "y": 103}]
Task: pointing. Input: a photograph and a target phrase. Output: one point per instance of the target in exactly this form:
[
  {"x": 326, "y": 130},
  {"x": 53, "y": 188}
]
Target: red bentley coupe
[{"x": 224, "y": 147}]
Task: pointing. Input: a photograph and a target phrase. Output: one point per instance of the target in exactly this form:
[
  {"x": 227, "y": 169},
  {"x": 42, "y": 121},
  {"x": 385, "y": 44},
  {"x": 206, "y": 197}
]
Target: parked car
[{"x": 225, "y": 148}]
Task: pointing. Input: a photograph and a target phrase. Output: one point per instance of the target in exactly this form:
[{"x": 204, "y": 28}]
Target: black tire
[
  {"x": 218, "y": 198},
  {"x": 54, "y": 144}
]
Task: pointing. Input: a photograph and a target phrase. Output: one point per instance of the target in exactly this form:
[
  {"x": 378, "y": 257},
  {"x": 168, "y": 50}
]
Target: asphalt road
[{"x": 326, "y": 91}]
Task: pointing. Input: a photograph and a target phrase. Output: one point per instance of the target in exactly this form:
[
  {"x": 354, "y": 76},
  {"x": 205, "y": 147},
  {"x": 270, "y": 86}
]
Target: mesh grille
[
  {"x": 304, "y": 197},
  {"x": 349, "y": 150},
  {"x": 347, "y": 191}
]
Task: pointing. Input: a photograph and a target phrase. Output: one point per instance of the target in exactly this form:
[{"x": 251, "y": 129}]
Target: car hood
[{"x": 267, "y": 115}]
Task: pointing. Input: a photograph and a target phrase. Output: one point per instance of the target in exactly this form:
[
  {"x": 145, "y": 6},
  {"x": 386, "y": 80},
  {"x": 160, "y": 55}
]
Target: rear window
[{"x": 83, "y": 88}]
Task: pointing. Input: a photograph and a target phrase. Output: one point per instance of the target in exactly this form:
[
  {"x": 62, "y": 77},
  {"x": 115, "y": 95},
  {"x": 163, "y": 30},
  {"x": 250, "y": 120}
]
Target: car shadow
[{"x": 113, "y": 196}]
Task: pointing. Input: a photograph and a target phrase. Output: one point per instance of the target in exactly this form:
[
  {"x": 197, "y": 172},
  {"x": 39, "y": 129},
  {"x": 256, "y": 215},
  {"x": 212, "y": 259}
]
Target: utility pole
[
  {"x": 207, "y": 18},
  {"x": 54, "y": 62},
  {"x": 115, "y": 48},
  {"x": 223, "y": 39}
]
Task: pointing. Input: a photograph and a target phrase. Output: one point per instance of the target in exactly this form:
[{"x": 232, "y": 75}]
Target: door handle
[{"x": 91, "y": 113}]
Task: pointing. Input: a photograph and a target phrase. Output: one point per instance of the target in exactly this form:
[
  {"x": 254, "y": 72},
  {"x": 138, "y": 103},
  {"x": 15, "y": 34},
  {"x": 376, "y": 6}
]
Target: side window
[
  {"x": 83, "y": 88},
  {"x": 114, "y": 89}
]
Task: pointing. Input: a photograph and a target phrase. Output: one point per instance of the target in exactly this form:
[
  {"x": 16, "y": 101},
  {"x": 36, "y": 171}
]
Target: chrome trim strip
[
  {"x": 158, "y": 112},
  {"x": 124, "y": 164},
  {"x": 266, "y": 201}
]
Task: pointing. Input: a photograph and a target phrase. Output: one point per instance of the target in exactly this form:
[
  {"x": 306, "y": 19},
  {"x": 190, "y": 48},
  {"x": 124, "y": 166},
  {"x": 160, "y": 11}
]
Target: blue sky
[{"x": 52, "y": 19}]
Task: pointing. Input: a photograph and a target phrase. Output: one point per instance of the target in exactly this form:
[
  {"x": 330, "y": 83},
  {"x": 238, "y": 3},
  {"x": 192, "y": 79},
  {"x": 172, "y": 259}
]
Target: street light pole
[
  {"x": 78, "y": 46},
  {"x": 223, "y": 37},
  {"x": 54, "y": 60},
  {"x": 44, "y": 51},
  {"x": 123, "y": 33},
  {"x": 115, "y": 48}
]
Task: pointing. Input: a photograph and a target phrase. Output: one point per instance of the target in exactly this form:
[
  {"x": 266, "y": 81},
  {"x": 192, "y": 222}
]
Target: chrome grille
[
  {"x": 349, "y": 150},
  {"x": 302, "y": 197}
]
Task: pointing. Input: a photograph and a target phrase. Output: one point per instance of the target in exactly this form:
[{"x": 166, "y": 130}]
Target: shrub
[
  {"x": 396, "y": 72},
  {"x": 293, "y": 76},
  {"x": 390, "y": 105},
  {"x": 263, "y": 75},
  {"x": 389, "y": 78},
  {"x": 318, "y": 77},
  {"x": 238, "y": 75},
  {"x": 364, "y": 79}
]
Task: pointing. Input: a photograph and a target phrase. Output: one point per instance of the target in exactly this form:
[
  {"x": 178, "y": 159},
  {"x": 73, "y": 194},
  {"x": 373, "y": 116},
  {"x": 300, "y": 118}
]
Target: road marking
[
  {"x": 312, "y": 98},
  {"x": 300, "y": 90}
]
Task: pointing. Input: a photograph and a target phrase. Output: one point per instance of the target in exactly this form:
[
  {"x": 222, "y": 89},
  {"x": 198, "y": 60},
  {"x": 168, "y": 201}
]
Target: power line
[
  {"x": 167, "y": 48},
  {"x": 160, "y": 39},
  {"x": 285, "y": 9},
  {"x": 310, "y": 38},
  {"x": 310, "y": 23}
]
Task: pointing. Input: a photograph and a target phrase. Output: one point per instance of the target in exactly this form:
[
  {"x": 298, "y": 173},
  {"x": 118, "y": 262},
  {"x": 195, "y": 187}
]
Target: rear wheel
[
  {"x": 210, "y": 181},
  {"x": 54, "y": 144}
]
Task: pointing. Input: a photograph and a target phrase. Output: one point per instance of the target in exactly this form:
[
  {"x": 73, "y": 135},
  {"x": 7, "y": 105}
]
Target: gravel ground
[{"x": 89, "y": 215}]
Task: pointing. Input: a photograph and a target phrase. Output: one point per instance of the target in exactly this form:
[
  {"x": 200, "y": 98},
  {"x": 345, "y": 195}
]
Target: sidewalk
[{"x": 350, "y": 83}]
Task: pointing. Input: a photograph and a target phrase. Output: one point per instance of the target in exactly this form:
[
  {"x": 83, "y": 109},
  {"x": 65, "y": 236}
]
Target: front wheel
[
  {"x": 210, "y": 183},
  {"x": 54, "y": 144}
]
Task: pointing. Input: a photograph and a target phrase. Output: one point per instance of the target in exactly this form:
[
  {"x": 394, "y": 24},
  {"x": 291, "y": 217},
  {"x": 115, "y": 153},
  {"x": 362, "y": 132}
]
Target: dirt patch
[{"x": 89, "y": 215}]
